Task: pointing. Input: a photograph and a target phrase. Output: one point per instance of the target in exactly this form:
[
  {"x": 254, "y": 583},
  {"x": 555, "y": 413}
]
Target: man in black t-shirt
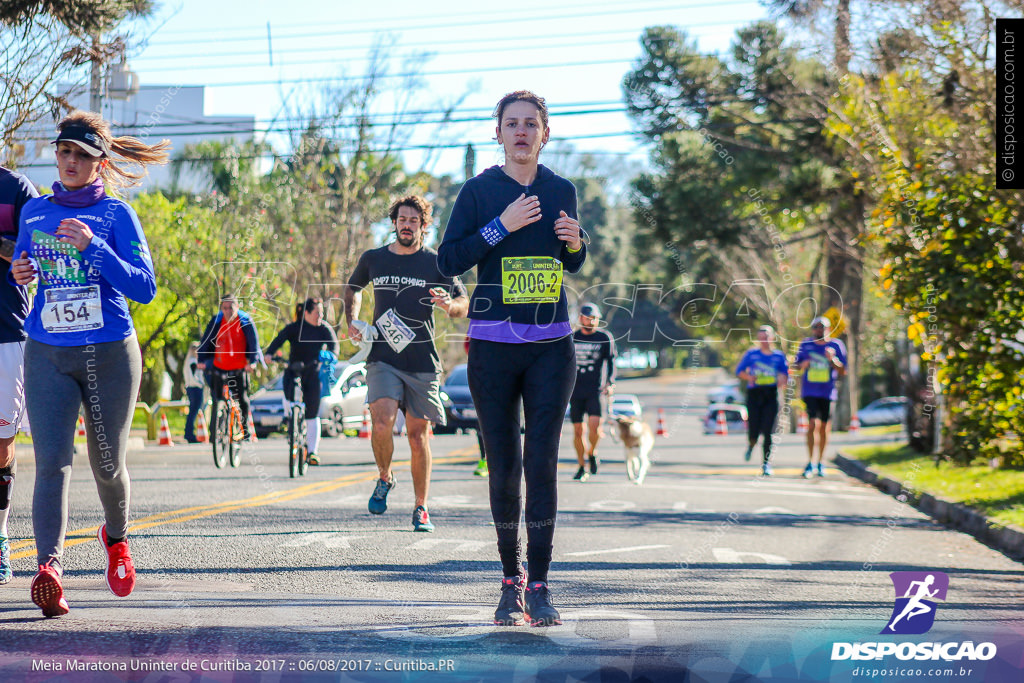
[
  {"x": 403, "y": 369},
  {"x": 594, "y": 349}
]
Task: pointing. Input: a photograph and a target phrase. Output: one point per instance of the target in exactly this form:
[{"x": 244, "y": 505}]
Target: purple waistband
[{"x": 508, "y": 332}]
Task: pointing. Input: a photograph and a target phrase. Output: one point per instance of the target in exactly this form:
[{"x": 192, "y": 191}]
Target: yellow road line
[{"x": 85, "y": 535}]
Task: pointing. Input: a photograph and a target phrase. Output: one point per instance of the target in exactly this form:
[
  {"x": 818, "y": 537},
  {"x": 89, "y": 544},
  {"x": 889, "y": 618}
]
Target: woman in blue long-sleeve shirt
[
  {"x": 517, "y": 224},
  {"x": 90, "y": 255}
]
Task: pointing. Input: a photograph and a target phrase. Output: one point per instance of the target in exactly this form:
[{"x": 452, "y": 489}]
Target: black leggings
[
  {"x": 762, "y": 409},
  {"x": 542, "y": 375},
  {"x": 310, "y": 380}
]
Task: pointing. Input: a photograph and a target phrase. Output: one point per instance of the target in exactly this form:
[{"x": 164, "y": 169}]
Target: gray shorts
[{"x": 418, "y": 393}]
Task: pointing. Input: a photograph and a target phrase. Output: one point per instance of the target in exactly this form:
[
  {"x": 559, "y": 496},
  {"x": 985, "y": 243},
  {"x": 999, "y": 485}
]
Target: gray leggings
[{"x": 58, "y": 381}]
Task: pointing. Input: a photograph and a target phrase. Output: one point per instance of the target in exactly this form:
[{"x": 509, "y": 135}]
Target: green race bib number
[
  {"x": 819, "y": 372},
  {"x": 531, "y": 280}
]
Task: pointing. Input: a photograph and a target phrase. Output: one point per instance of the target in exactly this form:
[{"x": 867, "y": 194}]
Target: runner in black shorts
[
  {"x": 594, "y": 350},
  {"x": 822, "y": 361},
  {"x": 517, "y": 224}
]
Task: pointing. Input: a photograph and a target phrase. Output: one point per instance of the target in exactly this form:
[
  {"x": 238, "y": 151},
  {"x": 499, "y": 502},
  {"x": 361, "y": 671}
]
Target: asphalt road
[{"x": 707, "y": 572}]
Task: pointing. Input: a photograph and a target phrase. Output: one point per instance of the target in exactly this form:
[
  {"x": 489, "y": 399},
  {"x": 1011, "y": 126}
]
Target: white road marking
[
  {"x": 760, "y": 489},
  {"x": 585, "y": 553},
  {"x": 612, "y": 505},
  {"x": 774, "y": 511},
  {"x": 641, "y": 629},
  {"x": 461, "y": 545},
  {"x": 730, "y": 556},
  {"x": 328, "y": 538}
]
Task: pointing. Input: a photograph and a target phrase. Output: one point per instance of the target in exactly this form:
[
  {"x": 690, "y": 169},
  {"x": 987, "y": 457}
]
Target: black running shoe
[
  {"x": 539, "y": 610},
  {"x": 581, "y": 474},
  {"x": 593, "y": 464},
  {"x": 511, "y": 609}
]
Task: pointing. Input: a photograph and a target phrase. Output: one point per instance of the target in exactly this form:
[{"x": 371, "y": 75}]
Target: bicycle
[
  {"x": 227, "y": 425},
  {"x": 298, "y": 452}
]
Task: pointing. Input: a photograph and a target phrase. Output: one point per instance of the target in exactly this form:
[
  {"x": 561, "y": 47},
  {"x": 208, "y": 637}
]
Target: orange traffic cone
[
  {"x": 364, "y": 431},
  {"x": 723, "y": 426},
  {"x": 802, "y": 424},
  {"x": 661, "y": 423},
  {"x": 80, "y": 427},
  {"x": 854, "y": 423},
  {"x": 165, "y": 432},
  {"x": 201, "y": 435}
]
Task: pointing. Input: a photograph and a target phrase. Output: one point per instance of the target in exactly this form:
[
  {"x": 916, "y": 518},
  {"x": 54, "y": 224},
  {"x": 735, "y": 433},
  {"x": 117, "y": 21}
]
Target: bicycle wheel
[
  {"x": 235, "y": 448},
  {"x": 221, "y": 436},
  {"x": 294, "y": 442}
]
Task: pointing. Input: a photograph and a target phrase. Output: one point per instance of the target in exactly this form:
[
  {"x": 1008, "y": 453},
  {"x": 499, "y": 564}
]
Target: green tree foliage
[
  {"x": 742, "y": 175},
  {"x": 922, "y": 136},
  {"x": 180, "y": 235},
  {"x": 81, "y": 16}
]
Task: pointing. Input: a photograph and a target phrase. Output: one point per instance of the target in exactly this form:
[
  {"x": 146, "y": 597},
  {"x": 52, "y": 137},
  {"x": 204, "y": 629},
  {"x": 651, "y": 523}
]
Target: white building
[{"x": 151, "y": 113}]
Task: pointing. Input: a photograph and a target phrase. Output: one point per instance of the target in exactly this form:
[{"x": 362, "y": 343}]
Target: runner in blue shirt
[
  {"x": 15, "y": 191},
  {"x": 822, "y": 361},
  {"x": 89, "y": 254},
  {"x": 765, "y": 370}
]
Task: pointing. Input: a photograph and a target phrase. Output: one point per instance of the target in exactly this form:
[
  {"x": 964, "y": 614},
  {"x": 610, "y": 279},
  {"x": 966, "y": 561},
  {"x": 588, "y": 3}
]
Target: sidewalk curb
[{"x": 1009, "y": 540}]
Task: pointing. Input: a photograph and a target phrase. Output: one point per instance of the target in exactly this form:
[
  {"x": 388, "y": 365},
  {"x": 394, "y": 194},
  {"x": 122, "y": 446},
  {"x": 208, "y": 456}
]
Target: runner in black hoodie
[{"x": 517, "y": 224}]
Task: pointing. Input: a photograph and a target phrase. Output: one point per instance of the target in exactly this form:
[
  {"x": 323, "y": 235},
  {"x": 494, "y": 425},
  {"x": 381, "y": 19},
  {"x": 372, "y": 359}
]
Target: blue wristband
[{"x": 494, "y": 232}]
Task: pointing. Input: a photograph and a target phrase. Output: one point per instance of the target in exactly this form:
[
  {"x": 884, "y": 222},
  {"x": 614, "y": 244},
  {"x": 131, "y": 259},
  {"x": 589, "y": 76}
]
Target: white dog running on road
[{"x": 638, "y": 440}]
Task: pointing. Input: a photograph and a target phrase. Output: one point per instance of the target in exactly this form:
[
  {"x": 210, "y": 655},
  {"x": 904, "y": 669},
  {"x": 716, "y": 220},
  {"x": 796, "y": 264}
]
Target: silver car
[{"x": 342, "y": 409}]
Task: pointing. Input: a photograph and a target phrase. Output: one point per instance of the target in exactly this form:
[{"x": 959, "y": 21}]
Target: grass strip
[{"x": 996, "y": 493}]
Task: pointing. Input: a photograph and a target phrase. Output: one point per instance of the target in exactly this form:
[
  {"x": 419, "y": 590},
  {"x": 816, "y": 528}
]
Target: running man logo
[{"x": 914, "y": 611}]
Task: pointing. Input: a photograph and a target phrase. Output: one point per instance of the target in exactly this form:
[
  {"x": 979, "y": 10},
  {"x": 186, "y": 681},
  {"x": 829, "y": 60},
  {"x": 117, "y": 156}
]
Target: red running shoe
[
  {"x": 47, "y": 592},
  {"x": 120, "y": 570}
]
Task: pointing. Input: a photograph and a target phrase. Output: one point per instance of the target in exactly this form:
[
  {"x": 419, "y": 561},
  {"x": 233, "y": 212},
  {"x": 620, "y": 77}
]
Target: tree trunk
[{"x": 846, "y": 289}]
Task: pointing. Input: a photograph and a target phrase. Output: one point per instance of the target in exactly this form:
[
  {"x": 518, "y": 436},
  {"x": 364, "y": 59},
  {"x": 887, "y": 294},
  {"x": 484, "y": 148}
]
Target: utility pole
[{"x": 96, "y": 79}]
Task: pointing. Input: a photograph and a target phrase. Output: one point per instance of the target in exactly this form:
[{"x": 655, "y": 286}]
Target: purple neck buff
[{"x": 82, "y": 197}]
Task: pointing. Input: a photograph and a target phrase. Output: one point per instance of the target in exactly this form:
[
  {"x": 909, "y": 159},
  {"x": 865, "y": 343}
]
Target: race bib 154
[{"x": 72, "y": 309}]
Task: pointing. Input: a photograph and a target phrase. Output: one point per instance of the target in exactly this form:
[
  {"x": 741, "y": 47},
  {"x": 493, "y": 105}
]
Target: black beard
[{"x": 406, "y": 241}]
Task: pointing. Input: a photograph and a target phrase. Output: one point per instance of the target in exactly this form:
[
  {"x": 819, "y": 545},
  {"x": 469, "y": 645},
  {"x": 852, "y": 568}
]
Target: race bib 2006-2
[{"x": 531, "y": 280}]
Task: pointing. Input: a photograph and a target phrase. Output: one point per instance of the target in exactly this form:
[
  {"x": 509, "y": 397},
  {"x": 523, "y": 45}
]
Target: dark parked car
[
  {"x": 458, "y": 402},
  {"x": 891, "y": 410},
  {"x": 341, "y": 410}
]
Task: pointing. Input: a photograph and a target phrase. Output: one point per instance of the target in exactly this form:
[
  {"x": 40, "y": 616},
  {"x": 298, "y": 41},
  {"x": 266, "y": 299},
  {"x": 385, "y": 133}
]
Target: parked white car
[{"x": 340, "y": 410}]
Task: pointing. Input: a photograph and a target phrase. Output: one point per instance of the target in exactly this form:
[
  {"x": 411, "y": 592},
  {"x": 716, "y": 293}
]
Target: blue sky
[{"x": 572, "y": 52}]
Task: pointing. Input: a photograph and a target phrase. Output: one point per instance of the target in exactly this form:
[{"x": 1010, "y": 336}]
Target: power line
[
  {"x": 303, "y": 124},
  {"x": 447, "y": 72},
  {"x": 635, "y": 33},
  {"x": 413, "y": 148},
  {"x": 675, "y": 6},
  {"x": 386, "y": 20}
]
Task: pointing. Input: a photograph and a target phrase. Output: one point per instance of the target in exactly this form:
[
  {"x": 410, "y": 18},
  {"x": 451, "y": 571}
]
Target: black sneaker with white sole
[
  {"x": 511, "y": 606},
  {"x": 539, "y": 610}
]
